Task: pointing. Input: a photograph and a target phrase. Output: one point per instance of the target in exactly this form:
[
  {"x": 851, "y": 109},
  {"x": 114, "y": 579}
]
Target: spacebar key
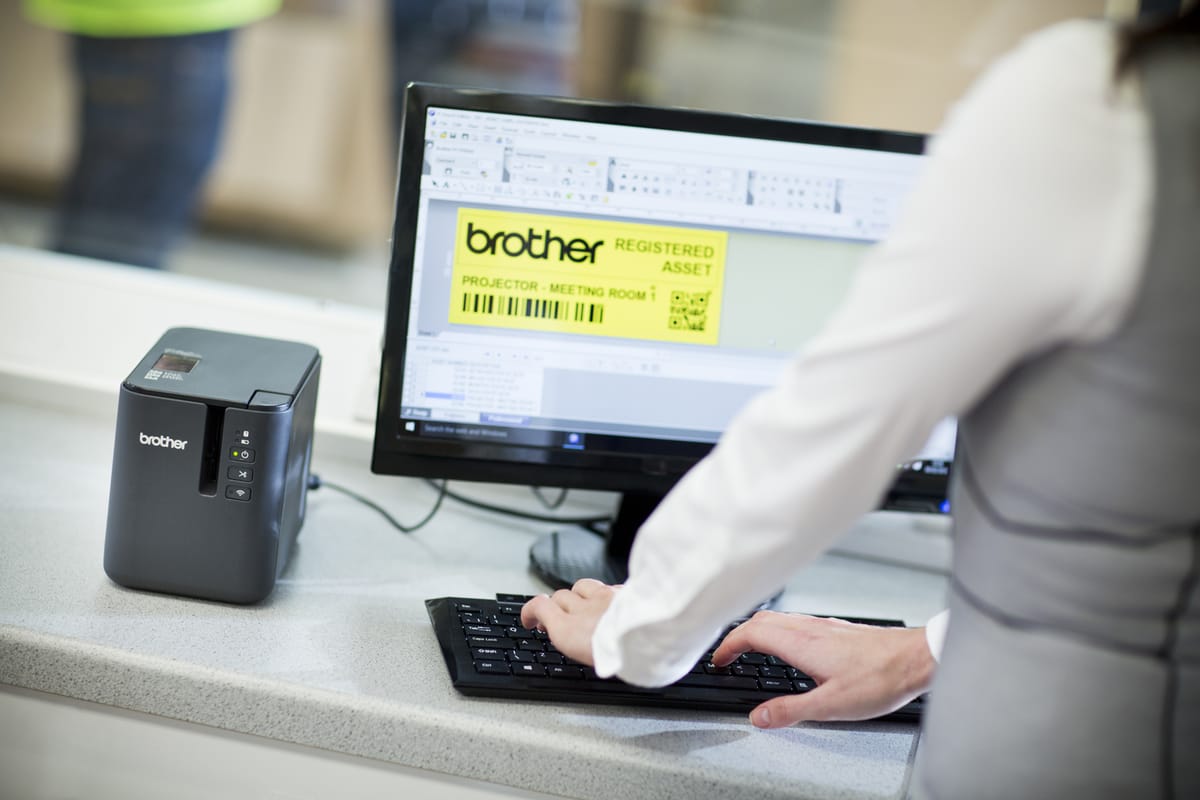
[{"x": 719, "y": 682}]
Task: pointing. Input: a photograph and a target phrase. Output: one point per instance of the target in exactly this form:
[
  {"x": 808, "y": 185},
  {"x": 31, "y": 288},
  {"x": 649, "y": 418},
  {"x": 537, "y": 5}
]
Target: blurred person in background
[
  {"x": 423, "y": 34},
  {"x": 153, "y": 80}
]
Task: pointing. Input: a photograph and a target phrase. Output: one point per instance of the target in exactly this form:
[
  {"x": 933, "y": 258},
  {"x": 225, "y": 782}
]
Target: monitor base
[{"x": 562, "y": 557}]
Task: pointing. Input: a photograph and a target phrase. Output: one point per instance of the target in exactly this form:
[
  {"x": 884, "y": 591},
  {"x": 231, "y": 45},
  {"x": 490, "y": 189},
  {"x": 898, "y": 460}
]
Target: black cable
[
  {"x": 590, "y": 523},
  {"x": 315, "y": 482},
  {"x": 586, "y": 522}
]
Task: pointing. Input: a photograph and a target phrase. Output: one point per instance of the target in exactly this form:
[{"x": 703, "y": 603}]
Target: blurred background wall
[{"x": 306, "y": 162}]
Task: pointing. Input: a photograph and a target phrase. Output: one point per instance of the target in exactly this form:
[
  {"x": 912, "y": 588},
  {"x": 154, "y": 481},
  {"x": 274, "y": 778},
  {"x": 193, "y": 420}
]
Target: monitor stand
[{"x": 562, "y": 557}]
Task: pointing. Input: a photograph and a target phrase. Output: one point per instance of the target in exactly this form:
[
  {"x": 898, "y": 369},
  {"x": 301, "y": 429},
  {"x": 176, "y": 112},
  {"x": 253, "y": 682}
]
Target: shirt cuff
[
  {"x": 935, "y": 633},
  {"x": 622, "y": 645},
  {"x": 606, "y": 656}
]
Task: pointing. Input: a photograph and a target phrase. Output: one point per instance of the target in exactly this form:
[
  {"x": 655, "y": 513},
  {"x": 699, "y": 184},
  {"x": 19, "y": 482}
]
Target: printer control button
[
  {"x": 237, "y": 492},
  {"x": 263, "y": 399},
  {"x": 244, "y": 454},
  {"x": 240, "y": 473}
]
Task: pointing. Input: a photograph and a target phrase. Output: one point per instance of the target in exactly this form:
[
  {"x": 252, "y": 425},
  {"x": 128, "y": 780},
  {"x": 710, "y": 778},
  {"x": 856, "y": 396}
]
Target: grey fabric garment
[{"x": 1071, "y": 668}]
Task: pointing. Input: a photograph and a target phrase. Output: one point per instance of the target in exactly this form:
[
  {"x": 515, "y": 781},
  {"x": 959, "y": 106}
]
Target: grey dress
[{"x": 1071, "y": 668}]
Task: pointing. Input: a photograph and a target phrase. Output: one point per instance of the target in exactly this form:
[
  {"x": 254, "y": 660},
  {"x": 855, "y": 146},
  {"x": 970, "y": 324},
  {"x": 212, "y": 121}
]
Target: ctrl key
[{"x": 493, "y": 667}]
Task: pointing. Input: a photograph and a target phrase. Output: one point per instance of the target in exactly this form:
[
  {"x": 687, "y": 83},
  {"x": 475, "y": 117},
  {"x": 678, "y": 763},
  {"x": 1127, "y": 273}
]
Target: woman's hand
[
  {"x": 862, "y": 671},
  {"x": 570, "y": 616}
]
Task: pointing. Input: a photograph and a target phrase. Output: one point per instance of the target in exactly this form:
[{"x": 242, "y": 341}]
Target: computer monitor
[{"x": 583, "y": 294}]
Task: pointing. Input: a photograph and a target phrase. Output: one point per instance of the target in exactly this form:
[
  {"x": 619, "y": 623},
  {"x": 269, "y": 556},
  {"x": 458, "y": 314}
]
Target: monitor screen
[{"x": 584, "y": 294}]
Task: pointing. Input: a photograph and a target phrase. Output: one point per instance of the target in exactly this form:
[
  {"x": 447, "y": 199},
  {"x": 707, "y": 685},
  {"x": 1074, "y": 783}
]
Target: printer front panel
[{"x": 193, "y": 506}]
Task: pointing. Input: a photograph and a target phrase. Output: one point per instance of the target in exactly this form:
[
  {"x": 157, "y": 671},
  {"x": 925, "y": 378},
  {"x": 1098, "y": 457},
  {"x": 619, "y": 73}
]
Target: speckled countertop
[{"x": 342, "y": 657}]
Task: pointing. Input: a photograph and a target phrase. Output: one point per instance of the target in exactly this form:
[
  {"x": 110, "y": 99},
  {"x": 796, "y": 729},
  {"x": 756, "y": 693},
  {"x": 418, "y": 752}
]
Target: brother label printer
[{"x": 210, "y": 466}]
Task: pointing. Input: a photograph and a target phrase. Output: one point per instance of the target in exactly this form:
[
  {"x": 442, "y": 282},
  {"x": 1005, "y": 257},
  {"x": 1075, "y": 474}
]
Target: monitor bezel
[{"x": 397, "y": 454}]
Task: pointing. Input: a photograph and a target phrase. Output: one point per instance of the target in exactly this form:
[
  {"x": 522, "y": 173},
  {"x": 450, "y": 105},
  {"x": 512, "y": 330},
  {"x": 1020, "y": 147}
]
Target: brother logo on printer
[{"x": 162, "y": 441}]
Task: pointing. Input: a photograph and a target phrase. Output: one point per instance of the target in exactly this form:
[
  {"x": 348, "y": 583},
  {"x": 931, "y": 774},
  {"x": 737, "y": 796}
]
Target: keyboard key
[
  {"x": 775, "y": 685},
  {"x": 712, "y": 669},
  {"x": 533, "y": 645},
  {"x": 504, "y": 619},
  {"x": 803, "y": 686},
  {"x": 488, "y": 654},
  {"x": 466, "y": 608},
  {"x": 517, "y": 632},
  {"x": 492, "y": 667},
  {"x": 484, "y": 630},
  {"x": 528, "y": 669},
  {"x": 513, "y": 609},
  {"x": 499, "y": 642},
  {"x": 772, "y": 672},
  {"x": 549, "y": 658},
  {"x": 752, "y": 658},
  {"x": 745, "y": 670},
  {"x": 472, "y": 619},
  {"x": 562, "y": 671},
  {"x": 719, "y": 682},
  {"x": 519, "y": 599},
  {"x": 523, "y": 656}
]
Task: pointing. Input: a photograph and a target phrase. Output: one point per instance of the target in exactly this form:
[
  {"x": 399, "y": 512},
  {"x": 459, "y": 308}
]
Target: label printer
[{"x": 210, "y": 465}]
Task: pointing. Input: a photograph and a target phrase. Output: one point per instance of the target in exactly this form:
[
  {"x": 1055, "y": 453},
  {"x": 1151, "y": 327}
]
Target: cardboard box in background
[
  {"x": 306, "y": 153},
  {"x": 898, "y": 64},
  {"x": 36, "y": 103},
  {"x": 902, "y": 65}
]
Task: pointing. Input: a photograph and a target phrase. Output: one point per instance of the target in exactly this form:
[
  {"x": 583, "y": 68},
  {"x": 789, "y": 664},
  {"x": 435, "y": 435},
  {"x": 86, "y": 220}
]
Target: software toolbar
[{"x": 803, "y": 189}]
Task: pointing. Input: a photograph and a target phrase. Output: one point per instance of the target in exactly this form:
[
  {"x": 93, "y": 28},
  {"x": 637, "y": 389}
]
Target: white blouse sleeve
[
  {"x": 1025, "y": 231},
  {"x": 935, "y": 633}
]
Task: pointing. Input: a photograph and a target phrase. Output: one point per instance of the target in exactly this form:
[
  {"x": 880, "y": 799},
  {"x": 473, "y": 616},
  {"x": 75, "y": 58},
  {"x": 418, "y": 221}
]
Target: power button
[{"x": 243, "y": 454}]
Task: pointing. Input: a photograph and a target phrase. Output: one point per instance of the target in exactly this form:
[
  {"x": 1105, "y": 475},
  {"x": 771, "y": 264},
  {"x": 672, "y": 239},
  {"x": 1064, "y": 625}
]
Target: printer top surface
[{"x": 224, "y": 368}]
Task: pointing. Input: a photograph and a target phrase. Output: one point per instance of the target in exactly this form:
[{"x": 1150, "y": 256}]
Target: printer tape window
[{"x": 176, "y": 362}]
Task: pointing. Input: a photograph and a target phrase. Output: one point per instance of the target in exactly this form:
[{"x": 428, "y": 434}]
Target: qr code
[{"x": 689, "y": 311}]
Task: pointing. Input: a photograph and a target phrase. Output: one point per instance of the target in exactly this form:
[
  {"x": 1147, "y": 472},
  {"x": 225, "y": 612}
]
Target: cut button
[{"x": 239, "y": 473}]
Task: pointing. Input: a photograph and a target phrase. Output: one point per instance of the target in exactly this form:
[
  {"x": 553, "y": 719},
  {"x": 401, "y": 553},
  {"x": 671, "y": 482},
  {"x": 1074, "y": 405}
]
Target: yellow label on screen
[{"x": 597, "y": 277}]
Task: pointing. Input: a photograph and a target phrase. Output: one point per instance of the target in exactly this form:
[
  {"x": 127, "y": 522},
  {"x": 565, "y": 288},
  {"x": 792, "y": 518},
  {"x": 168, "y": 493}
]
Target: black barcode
[{"x": 506, "y": 305}]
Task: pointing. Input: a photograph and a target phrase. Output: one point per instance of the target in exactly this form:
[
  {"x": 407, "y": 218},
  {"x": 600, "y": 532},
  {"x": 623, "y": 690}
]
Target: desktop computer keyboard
[{"x": 489, "y": 654}]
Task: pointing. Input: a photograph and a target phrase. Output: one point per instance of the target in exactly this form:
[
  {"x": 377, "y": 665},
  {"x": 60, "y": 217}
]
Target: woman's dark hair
[{"x": 1142, "y": 38}]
